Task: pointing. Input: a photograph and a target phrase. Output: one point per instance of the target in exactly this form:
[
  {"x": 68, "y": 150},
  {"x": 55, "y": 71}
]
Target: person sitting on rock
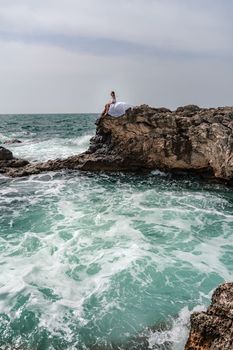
[{"x": 107, "y": 106}]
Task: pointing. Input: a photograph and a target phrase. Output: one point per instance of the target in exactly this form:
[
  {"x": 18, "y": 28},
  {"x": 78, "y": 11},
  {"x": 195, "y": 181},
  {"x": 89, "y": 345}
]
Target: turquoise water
[{"x": 96, "y": 261}]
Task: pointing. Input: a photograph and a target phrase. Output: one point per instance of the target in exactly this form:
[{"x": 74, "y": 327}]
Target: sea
[{"x": 104, "y": 261}]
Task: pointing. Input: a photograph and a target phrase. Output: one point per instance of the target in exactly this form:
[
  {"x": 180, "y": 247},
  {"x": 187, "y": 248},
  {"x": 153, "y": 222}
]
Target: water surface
[{"x": 93, "y": 261}]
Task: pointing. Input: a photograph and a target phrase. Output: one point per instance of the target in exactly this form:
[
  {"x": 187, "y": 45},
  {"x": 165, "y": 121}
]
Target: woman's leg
[{"x": 106, "y": 109}]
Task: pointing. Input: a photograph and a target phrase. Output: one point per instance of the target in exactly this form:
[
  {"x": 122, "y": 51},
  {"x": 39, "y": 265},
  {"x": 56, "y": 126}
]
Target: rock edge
[{"x": 213, "y": 329}]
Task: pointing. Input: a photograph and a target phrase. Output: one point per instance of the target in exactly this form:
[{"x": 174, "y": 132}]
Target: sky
[{"x": 65, "y": 56}]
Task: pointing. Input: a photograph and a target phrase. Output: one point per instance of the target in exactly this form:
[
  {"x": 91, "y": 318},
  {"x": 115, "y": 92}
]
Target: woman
[{"x": 108, "y": 105}]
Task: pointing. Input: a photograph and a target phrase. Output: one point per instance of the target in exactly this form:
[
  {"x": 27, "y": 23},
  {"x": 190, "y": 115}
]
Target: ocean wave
[
  {"x": 177, "y": 334},
  {"x": 42, "y": 150}
]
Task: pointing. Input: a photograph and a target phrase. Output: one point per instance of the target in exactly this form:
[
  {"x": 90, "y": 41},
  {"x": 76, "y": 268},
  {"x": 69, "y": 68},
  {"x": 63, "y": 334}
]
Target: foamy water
[{"x": 94, "y": 260}]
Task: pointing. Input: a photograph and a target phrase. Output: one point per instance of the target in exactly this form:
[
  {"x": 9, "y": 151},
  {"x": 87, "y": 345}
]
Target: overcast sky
[{"x": 67, "y": 55}]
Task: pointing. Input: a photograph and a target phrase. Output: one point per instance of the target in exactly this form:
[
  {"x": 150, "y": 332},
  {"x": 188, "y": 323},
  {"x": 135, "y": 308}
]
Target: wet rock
[
  {"x": 5, "y": 154},
  {"x": 8, "y": 162},
  {"x": 213, "y": 329},
  {"x": 10, "y": 142},
  {"x": 6, "y": 166}
]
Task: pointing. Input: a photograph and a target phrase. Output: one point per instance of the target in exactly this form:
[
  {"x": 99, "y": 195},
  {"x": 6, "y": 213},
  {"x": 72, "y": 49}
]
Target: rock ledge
[{"x": 213, "y": 329}]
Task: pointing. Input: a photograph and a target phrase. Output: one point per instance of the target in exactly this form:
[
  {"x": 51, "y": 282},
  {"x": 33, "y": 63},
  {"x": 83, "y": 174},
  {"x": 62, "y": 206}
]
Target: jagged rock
[
  {"x": 150, "y": 138},
  {"x": 192, "y": 139},
  {"x": 10, "y": 142},
  {"x": 5, "y": 154},
  {"x": 188, "y": 108},
  {"x": 213, "y": 329},
  {"x": 7, "y": 166}
]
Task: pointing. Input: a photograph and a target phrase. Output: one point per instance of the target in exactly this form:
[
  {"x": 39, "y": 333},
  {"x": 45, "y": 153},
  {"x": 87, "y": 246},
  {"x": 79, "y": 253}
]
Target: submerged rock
[
  {"x": 191, "y": 139},
  {"x": 213, "y": 329},
  {"x": 10, "y": 142}
]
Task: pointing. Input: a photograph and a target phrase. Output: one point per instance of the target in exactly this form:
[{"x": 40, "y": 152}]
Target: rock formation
[
  {"x": 5, "y": 154},
  {"x": 189, "y": 139},
  {"x": 213, "y": 329},
  {"x": 8, "y": 162}
]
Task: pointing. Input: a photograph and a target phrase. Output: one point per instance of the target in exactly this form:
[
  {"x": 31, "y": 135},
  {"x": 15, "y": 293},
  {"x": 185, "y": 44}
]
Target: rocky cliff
[
  {"x": 213, "y": 329},
  {"x": 188, "y": 139}
]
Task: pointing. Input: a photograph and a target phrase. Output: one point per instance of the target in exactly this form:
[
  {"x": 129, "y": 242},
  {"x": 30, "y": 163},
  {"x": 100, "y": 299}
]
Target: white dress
[{"x": 118, "y": 109}]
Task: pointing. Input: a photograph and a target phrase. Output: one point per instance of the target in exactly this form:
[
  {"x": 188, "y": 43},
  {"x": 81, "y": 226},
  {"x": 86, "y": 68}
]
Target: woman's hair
[{"x": 112, "y": 93}]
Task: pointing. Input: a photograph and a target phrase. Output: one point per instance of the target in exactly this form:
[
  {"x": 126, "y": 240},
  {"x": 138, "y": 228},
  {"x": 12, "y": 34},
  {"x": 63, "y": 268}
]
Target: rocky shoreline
[
  {"x": 213, "y": 329},
  {"x": 190, "y": 139}
]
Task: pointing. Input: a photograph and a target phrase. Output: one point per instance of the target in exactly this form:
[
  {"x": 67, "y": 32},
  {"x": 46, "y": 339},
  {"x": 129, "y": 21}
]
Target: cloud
[
  {"x": 105, "y": 46},
  {"x": 65, "y": 55},
  {"x": 127, "y": 26}
]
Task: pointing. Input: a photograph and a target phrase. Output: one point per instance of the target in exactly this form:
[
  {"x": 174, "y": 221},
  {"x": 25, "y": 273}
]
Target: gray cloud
[
  {"x": 107, "y": 46},
  {"x": 160, "y": 52},
  {"x": 168, "y": 25}
]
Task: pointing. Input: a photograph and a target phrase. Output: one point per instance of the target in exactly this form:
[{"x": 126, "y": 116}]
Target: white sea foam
[
  {"x": 3, "y": 138},
  {"x": 42, "y": 150},
  {"x": 159, "y": 173},
  {"x": 93, "y": 258},
  {"x": 178, "y": 333}
]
